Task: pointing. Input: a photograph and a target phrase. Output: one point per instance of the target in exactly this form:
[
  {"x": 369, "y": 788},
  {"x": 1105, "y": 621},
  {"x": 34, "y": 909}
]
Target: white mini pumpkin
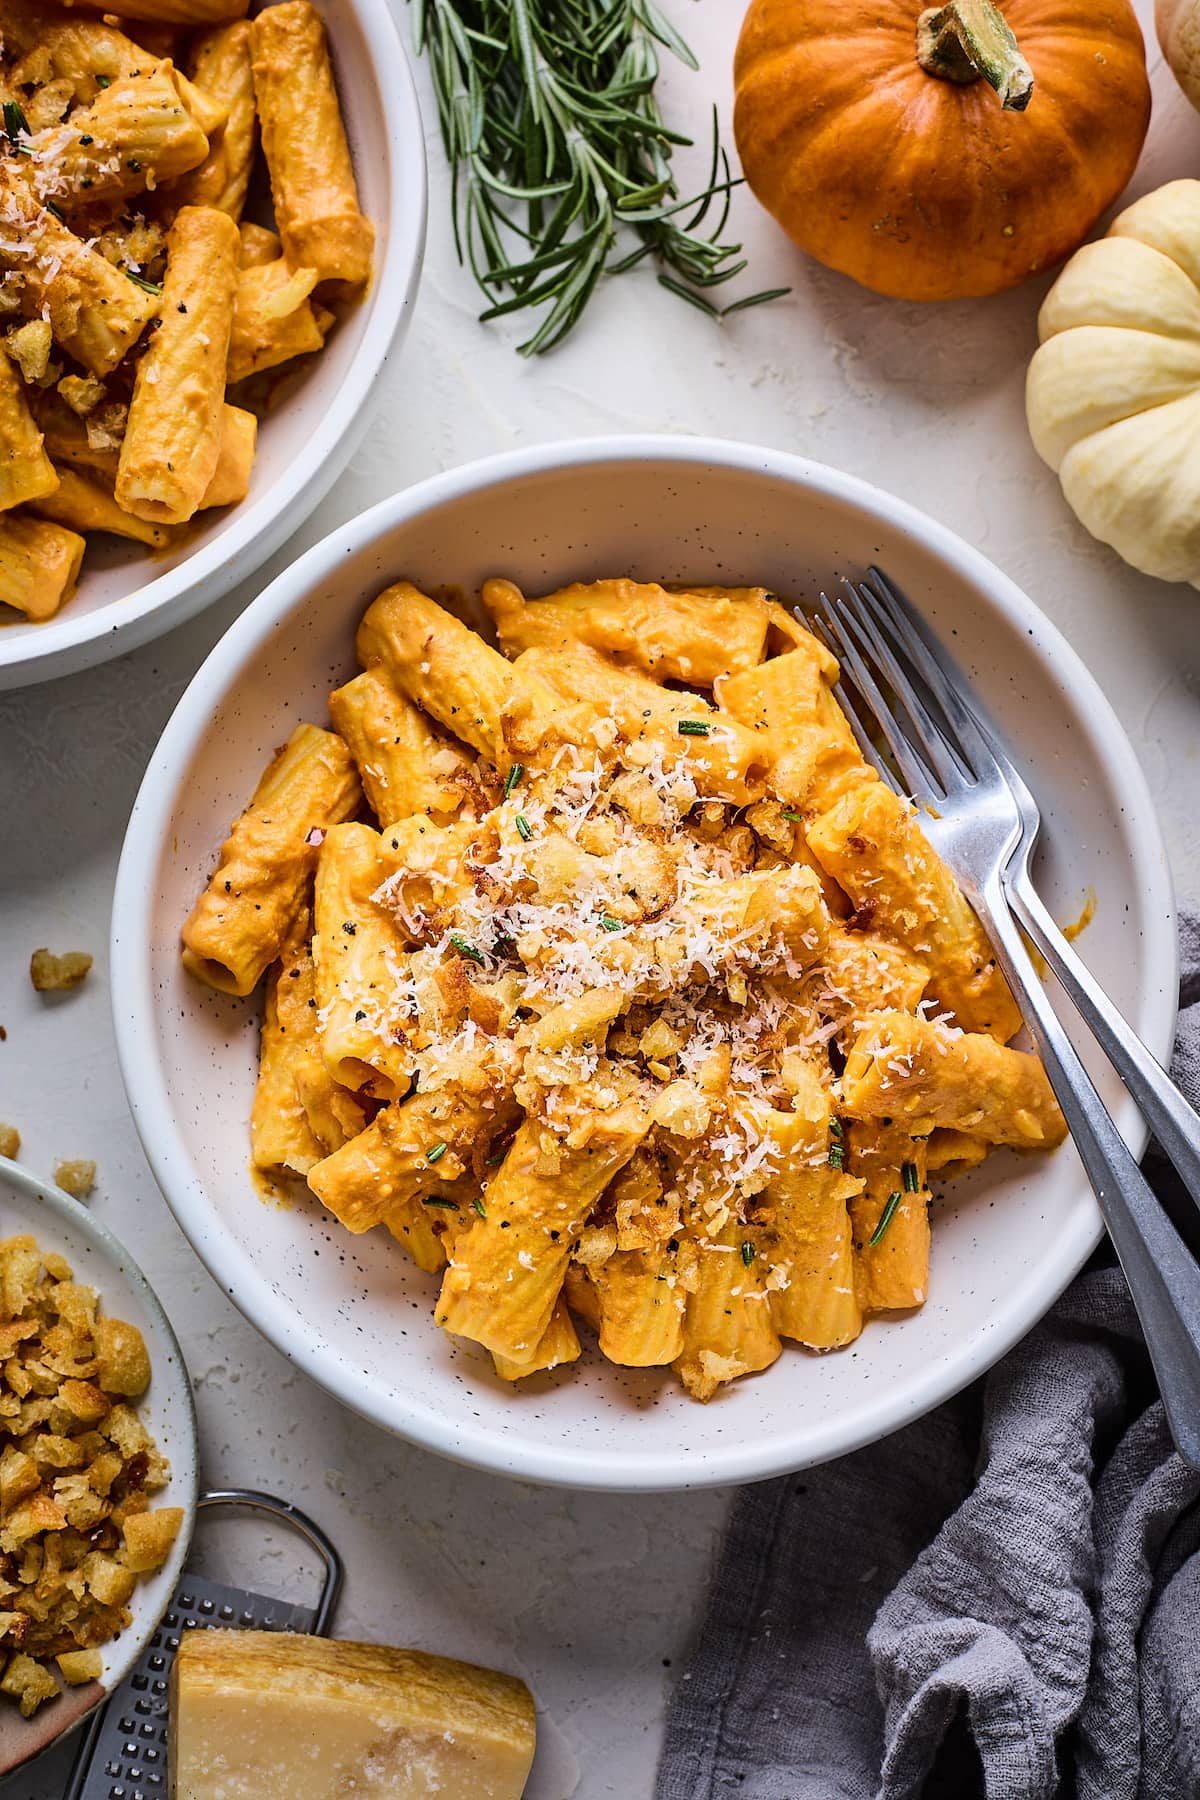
[
  {"x": 1178, "y": 25},
  {"x": 1113, "y": 394}
]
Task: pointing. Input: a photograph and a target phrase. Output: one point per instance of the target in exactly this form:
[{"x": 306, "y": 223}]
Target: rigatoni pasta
[
  {"x": 273, "y": 318},
  {"x": 264, "y": 877},
  {"x": 173, "y": 436},
  {"x": 26, "y": 472},
  {"x": 135, "y": 128},
  {"x": 87, "y": 505},
  {"x": 95, "y": 313},
  {"x": 145, "y": 326},
  {"x": 220, "y": 71},
  {"x": 308, "y": 158},
  {"x": 56, "y": 48},
  {"x": 39, "y": 564},
  {"x": 658, "y": 1013}
]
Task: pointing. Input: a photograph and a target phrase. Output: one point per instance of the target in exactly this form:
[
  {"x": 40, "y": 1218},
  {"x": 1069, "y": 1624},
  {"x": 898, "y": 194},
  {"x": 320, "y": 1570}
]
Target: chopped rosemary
[
  {"x": 154, "y": 287},
  {"x": 103, "y": 81},
  {"x": 837, "y": 1149},
  {"x": 609, "y": 923},
  {"x": 910, "y": 1178},
  {"x": 693, "y": 728},
  {"x": 795, "y": 817},
  {"x": 885, "y": 1217},
  {"x": 480, "y": 1208},
  {"x": 513, "y": 778},
  {"x": 747, "y": 1254},
  {"x": 436, "y": 1152},
  {"x": 524, "y": 829},
  {"x": 58, "y": 212},
  {"x": 493, "y": 1160},
  {"x": 432, "y": 1200},
  {"x": 558, "y": 151},
  {"x": 15, "y": 123},
  {"x": 465, "y": 948}
]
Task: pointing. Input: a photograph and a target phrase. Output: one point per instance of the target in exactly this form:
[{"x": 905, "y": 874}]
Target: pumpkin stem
[{"x": 968, "y": 38}]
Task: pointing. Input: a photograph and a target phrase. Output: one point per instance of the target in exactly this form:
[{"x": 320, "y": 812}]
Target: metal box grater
[{"x": 123, "y": 1755}]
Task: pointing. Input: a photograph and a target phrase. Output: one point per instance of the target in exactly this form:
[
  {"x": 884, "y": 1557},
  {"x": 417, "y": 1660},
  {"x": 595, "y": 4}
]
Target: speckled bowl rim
[
  {"x": 258, "y": 528},
  {"x": 184, "y": 1487},
  {"x": 133, "y": 933}
]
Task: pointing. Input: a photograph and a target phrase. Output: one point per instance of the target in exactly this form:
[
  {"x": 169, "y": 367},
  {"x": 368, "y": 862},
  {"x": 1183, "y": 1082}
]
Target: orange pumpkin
[{"x": 935, "y": 153}]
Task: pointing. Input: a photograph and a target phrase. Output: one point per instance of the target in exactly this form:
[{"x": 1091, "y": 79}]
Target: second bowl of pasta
[
  {"x": 612, "y": 1034},
  {"x": 214, "y": 229}
]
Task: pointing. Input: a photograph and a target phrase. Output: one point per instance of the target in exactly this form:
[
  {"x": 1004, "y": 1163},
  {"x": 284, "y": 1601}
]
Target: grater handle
[{"x": 288, "y": 1514}]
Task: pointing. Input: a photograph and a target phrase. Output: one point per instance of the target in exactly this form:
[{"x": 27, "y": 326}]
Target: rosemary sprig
[
  {"x": 15, "y": 123},
  {"x": 558, "y": 153},
  {"x": 885, "y": 1218},
  {"x": 465, "y": 948}
]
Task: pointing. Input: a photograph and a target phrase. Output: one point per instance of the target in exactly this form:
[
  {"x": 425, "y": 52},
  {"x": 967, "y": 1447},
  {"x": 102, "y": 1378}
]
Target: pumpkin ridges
[
  {"x": 1125, "y": 282},
  {"x": 1143, "y": 372},
  {"x": 785, "y": 82},
  {"x": 1091, "y": 166},
  {"x": 1167, "y": 220},
  {"x": 1143, "y": 524},
  {"x": 1120, "y": 328}
]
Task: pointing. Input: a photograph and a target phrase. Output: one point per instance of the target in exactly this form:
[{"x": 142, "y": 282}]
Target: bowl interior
[
  {"x": 297, "y": 438},
  {"x": 353, "y": 1310},
  {"x": 97, "y": 1258}
]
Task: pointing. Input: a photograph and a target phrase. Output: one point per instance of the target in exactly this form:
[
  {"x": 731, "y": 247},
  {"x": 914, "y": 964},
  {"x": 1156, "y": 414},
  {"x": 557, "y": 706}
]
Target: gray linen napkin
[{"x": 1001, "y": 1599}]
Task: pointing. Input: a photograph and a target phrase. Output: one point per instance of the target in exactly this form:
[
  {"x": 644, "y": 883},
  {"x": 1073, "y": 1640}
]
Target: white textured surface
[{"x": 585, "y": 1596}]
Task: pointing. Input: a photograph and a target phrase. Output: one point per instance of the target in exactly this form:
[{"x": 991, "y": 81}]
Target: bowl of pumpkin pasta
[
  {"x": 543, "y": 1022},
  {"x": 213, "y": 224}
]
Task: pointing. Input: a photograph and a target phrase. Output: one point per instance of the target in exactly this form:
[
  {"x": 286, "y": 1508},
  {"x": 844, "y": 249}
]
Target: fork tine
[
  {"x": 816, "y": 624},
  {"x": 897, "y": 615},
  {"x": 924, "y": 726},
  {"x": 918, "y": 777}
]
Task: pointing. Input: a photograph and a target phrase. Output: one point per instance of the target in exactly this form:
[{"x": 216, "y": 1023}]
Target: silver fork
[{"x": 984, "y": 827}]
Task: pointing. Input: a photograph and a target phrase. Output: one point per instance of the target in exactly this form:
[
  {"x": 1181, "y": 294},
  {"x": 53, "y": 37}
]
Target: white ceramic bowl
[
  {"x": 125, "y": 597},
  {"x": 96, "y": 1257},
  {"x": 352, "y": 1311}
]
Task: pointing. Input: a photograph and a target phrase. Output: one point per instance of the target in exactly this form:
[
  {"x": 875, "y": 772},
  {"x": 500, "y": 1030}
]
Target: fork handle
[
  {"x": 1163, "y": 1277},
  {"x": 1175, "y": 1124}
]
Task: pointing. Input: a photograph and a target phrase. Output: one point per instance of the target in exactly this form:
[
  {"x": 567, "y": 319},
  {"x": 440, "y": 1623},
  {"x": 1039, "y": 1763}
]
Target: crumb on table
[
  {"x": 52, "y": 974},
  {"x": 10, "y": 1140},
  {"x": 76, "y": 1176}
]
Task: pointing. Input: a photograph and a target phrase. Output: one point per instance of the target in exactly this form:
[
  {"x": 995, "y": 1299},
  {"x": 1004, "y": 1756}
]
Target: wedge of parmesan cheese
[{"x": 258, "y": 1714}]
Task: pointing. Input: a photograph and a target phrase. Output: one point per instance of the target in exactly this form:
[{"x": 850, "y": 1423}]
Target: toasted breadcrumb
[
  {"x": 10, "y": 1141},
  {"x": 77, "y": 1468},
  {"x": 29, "y": 346},
  {"x": 82, "y": 393},
  {"x": 52, "y": 974},
  {"x": 78, "y": 1666},
  {"x": 76, "y": 1177}
]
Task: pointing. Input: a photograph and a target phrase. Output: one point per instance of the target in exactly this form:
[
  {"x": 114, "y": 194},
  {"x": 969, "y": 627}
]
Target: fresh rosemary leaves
[{"x": 557, "y": 150}]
